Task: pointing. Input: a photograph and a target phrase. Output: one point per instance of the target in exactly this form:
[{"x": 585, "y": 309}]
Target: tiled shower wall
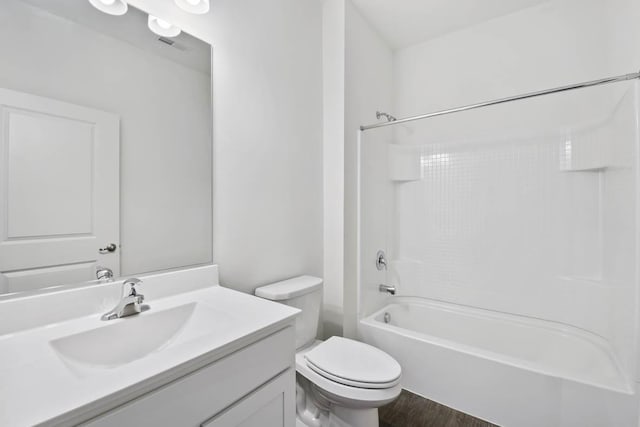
[{"x": 498, "y": 225}]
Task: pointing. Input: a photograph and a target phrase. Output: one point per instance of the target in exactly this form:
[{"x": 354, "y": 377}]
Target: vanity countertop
[{"x": 47, "y": 378}]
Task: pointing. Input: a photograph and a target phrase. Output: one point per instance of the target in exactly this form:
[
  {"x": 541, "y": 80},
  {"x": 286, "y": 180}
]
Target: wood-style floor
[{"x": 410, "y": 410}]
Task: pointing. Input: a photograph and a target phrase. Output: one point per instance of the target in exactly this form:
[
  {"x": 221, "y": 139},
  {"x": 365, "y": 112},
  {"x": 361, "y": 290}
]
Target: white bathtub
[{"x": 507, "y": 369}]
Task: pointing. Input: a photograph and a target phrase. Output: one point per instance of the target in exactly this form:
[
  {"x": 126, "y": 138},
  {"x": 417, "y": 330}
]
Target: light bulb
[
  {"x": 163, "y": 24},
  {"x": 112, "y": 7},
  {"x": 162, "y": 27},
  {"x": 197, "y": 7}
]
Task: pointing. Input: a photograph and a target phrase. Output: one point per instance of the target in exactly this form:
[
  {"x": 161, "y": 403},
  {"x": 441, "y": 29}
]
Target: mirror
[{"x": 105, "y": 146}]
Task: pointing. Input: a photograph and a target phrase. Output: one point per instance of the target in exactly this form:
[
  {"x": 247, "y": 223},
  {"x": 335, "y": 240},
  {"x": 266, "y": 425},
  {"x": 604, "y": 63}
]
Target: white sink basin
[
  {"x": 124, "y": 340},
  {"x": 55, "y": 350}
]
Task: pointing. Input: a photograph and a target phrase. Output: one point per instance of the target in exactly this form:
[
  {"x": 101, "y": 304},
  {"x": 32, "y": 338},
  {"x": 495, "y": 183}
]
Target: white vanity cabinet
[
  {"x": 270, "y": 405},
  {"x": 251, "y": 387}
]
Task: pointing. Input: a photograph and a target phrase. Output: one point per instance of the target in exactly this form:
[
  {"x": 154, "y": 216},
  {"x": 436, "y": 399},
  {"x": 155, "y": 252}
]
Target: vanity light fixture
[
  {"x": 112, "y": 7},
  {"x": 198, "y": 7},
  {"x": 162, "y": 27}
]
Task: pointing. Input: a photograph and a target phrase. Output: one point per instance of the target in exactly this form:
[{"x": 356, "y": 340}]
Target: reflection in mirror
[{"x": 105, "y": 145}]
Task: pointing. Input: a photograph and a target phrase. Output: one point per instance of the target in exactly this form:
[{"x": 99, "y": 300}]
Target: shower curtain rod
[{"x": 591, "y": 83}]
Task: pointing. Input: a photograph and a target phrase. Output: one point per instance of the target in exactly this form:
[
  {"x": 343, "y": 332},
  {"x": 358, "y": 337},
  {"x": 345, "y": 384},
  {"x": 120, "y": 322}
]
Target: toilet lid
[{"x": 354, "y": 364}]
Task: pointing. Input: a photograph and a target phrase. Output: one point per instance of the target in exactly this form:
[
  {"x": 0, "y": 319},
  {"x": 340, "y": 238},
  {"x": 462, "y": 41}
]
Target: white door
[{"x": 59, "y": 192}]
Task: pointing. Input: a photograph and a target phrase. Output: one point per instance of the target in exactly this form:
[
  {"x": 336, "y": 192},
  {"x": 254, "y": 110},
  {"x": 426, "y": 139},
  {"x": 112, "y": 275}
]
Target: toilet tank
[{"x": 304, "y": 293}]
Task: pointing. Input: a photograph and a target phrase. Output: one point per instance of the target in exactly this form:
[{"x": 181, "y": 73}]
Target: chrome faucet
[
  {"x": 131, "y": 302},
  {"x": 386, "y": 288}
]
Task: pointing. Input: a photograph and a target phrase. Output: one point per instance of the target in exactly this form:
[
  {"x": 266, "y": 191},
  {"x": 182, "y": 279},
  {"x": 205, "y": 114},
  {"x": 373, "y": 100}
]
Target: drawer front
[
  {"x": 200, "y": 395},
  {"x": 272, "y": 405}
]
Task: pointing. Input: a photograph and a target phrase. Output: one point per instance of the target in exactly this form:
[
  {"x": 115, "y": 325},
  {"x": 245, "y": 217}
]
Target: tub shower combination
[{"x": 507, "y": 287}]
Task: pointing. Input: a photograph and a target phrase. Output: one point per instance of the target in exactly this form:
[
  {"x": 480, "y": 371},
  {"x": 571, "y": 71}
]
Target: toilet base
[
  {"x": 313, "y": 409},
  {"x": 343, "y": 417},
  {"x": 360, "y": 420}
]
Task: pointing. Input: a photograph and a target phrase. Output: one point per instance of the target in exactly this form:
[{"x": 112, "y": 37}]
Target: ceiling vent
[{"x": 166, "y": 41}]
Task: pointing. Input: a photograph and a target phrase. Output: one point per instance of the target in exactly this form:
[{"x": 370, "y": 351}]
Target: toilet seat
[
  {"x": 353, "y": 397},
  {"x": 353, "y": 364}
]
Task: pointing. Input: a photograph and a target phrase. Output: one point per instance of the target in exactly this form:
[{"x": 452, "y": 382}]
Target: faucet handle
[
  {"x": 381, "y": 260},
  {"x": 104, "y": 274},
  {"x": 129, "y": 288}
]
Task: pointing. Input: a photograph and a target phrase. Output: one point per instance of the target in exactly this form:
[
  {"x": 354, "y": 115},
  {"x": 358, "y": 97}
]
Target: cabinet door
[
  {"x": 203, "y": 394},
  {"x": 272, "y": 405}
]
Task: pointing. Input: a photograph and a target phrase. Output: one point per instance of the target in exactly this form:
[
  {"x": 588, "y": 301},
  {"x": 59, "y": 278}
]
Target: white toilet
[{"x": 340, "y": 382}]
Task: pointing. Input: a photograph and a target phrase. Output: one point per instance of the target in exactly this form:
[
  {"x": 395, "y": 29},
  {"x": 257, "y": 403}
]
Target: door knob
[{"x": 111, "y": 247}]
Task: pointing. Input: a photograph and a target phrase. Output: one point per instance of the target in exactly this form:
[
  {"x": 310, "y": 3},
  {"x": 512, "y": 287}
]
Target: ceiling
[
  {"x": 405, "y": 22},
  {"x": 131, "y": 28}
]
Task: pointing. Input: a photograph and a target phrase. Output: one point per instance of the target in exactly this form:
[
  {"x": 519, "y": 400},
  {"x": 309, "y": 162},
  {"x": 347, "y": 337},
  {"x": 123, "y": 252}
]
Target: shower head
[
  {"x": 381, "y": 114},
  {"x": 389, "y": 117}
]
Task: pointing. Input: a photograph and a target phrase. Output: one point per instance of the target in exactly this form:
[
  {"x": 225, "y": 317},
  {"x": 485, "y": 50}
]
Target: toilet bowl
[{"x": 340, "y": 382}]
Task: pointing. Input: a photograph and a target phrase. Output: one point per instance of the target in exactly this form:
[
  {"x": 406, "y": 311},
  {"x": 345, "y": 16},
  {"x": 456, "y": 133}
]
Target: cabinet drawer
[
  {"x": 202, "y": 394},
  {"x": 271, "y": 405}
]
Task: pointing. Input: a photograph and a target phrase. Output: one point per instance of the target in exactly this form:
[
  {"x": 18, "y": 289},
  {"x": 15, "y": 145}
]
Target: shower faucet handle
[{"x": 381, "y": 261}]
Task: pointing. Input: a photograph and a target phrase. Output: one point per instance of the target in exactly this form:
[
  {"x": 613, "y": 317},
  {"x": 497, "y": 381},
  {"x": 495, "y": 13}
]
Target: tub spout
[{"x": 386, "y": 288}]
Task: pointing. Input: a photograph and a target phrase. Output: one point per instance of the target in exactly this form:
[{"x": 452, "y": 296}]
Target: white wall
[
  {"x": 368, "y": 88},
  {"x": 621, "y": 19},
  {"x": 165, "y": 167},
  {"x": 267, "y": 85},
  {"x": 357, "y": 82},
  {"x": 333, "y": 67},
  {"x": 267, "y": 140},
  {"x": 556, "y": 43}
]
